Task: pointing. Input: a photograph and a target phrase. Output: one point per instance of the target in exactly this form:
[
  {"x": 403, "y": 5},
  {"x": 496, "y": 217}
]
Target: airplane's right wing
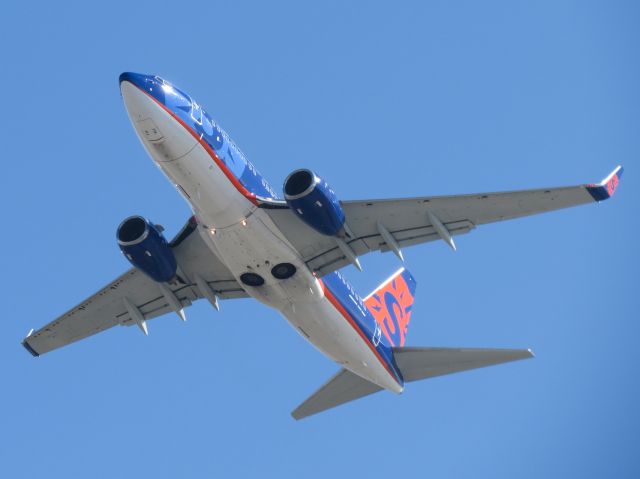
[
  {"x": 134, "y": 298},
  {"x": 391, "y": 224}
]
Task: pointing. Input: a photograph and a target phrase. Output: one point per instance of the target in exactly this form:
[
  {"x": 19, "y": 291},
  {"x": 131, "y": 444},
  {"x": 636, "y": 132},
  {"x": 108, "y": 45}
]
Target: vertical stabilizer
[{"x": 391, "y": 304}]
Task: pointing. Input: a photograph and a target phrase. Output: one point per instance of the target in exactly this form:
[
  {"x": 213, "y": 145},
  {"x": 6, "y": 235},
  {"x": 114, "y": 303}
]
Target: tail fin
[{"x": 391, "y": 304}]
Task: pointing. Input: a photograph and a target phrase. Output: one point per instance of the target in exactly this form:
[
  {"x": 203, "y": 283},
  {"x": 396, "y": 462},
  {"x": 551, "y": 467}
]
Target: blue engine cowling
[
  {"x": 315, "y": 203},
  {"x": 146, "y": 248}
]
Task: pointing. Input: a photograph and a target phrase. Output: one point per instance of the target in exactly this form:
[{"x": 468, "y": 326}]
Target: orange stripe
[
  {"x": 239, "y": 186},
  {"x": 341, "y": 309}
]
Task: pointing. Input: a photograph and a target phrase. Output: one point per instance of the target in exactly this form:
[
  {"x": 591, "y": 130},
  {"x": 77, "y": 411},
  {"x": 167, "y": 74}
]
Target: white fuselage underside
[{"x": 246, "y": 240}]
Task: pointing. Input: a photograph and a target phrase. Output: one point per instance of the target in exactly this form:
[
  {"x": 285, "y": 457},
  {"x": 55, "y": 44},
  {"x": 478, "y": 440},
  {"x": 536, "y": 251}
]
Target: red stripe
[
  {"x": 252, "y": 197},
  {"x": 232, "y": 178},
  {"x": 345, "y": 314}
]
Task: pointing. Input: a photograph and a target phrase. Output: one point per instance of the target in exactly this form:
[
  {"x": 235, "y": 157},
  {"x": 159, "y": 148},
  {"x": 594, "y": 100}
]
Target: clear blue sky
[{"x": 384, "y": 100}]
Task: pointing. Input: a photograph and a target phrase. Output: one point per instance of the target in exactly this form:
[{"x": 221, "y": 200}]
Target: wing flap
[
  {"x": 423, "y": 363},
  {"x": 322, "y": 254},
  {"x": 345, "y": 386}
]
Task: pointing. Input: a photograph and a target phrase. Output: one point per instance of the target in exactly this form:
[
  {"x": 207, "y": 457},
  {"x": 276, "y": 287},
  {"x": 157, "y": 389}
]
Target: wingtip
[
  {"x": 607, "y": 187},
  {"x": 616, "y": 173},
  {"x": 28, "y": 347}
]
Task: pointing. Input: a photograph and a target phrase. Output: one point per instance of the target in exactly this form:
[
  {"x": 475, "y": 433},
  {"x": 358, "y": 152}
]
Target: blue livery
[
  {"x": 314, "y": 202},
  {"x": 607, "y": 187},
  {"x": 195, "y": 118},
  {"x": 147, "y": 249}
]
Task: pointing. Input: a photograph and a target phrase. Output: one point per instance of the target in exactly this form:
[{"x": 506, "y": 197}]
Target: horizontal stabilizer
[
  {"x": 414, "y": 363},
  {"x": 395, "y": 224},
  {"x": 423, "y": 363},
  {"x": 341, "y": 388}
]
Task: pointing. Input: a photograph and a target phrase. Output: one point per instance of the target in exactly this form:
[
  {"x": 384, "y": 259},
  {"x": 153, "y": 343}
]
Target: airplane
[{"x": 244, "y": 241}]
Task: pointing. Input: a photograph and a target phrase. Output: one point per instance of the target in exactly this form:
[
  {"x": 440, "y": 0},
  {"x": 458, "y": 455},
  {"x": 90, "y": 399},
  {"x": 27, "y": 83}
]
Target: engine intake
[
  {"x": 147, "y": 249},
  {"x": 314, "y": 202}
]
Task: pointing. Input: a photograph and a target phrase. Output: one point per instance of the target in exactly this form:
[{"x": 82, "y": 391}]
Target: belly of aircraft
[
  {"x": 255, "y": 247},
  {"x": 324, "y": 327},
  {"x": 247, "y": 241}
]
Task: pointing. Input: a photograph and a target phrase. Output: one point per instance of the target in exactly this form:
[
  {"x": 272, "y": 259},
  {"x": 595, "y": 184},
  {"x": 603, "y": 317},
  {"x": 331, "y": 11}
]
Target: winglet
[{"x": 607, "y": 187}]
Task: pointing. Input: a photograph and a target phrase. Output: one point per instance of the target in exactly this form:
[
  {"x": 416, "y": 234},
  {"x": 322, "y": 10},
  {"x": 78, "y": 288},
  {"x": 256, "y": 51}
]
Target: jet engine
[
  {"x": 146, "y": 248},
  {"x": 314, "y": 202}
]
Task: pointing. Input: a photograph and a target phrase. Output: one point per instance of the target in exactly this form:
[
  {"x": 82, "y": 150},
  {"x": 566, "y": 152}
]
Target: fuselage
[{"x": 227, "y": 194}]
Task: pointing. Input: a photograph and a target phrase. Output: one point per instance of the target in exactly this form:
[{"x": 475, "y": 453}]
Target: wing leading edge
[{"x": 412, "y": 221}]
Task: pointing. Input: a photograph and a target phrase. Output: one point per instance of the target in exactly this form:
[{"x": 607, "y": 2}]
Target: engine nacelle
[
  {"x": 146, "y": 248},
  {"x": 313, "y": 200}
]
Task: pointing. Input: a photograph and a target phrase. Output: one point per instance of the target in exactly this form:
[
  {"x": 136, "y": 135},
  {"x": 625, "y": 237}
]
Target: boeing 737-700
[{"x": 244, "y": 241}]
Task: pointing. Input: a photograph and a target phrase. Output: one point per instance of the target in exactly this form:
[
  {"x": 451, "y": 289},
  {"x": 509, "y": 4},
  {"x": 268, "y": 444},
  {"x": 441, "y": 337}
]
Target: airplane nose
[
  {"x": 138, "y": 79},
  {"x": 155, "y": 122}
]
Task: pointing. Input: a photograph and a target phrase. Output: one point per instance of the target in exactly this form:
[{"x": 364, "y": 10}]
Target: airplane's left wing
[
  {"x": 391, "y": 224},
  {"x": 134, "y": 298}
]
